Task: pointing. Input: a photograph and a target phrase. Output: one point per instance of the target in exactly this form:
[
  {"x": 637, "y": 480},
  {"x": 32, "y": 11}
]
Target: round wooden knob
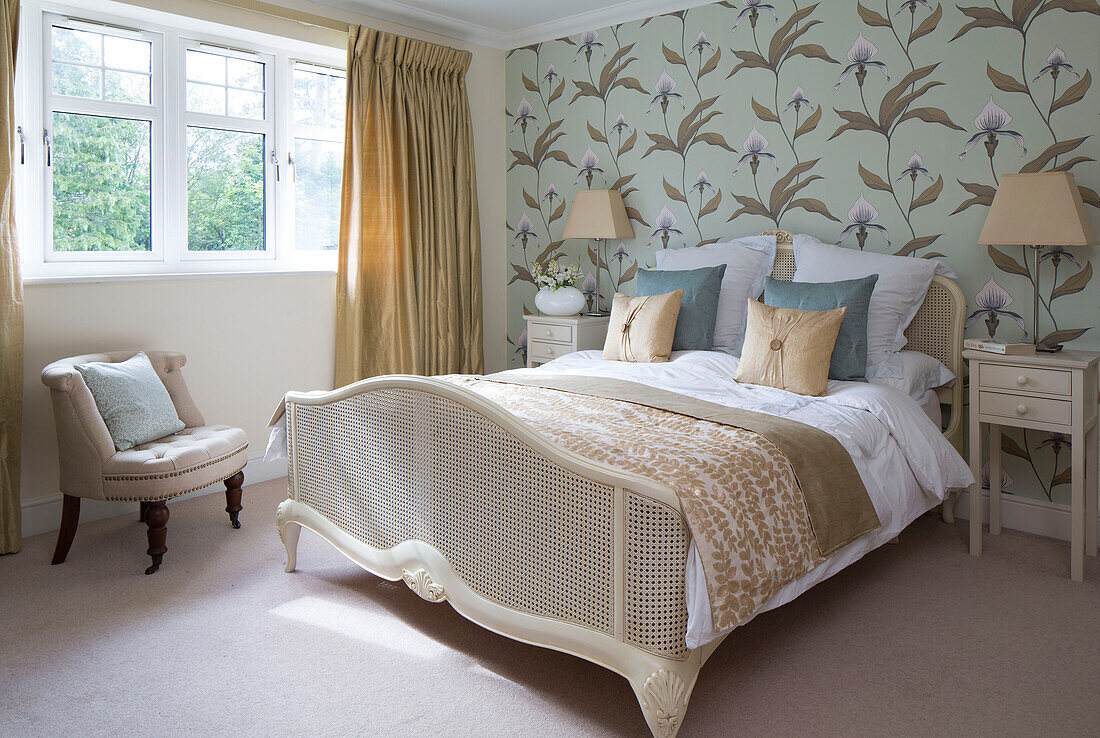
[
  {"x": 550, "y": 352},
  {"x": 549, "y": 332},
  {"x": 1021, "y": 379},
  {"x": 1021, "y": 409}
]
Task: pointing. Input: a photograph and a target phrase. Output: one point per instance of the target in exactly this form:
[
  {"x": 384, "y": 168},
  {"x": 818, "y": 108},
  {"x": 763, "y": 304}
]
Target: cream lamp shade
[
  {"x": 597, "y": 214},
  {"x": 1043, "y": 209}
]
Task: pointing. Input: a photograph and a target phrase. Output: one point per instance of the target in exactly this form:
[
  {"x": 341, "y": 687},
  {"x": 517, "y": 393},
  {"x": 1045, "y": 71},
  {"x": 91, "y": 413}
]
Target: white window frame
[{"x": 169, "y": 257}]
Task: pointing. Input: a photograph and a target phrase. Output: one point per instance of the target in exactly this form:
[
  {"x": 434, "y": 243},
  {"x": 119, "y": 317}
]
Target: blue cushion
[
  {"x": 849, "y": 360},
  {"x": 135, "y": 406},
  {"x": 698, "y": 309}
]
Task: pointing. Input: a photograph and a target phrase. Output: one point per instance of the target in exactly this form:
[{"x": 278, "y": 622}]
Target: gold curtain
[
  {"x": 409, "y": 263},
  {"x": 11, "y": 296}
]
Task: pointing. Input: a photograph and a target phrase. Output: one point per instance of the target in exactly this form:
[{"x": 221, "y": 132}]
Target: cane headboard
[{"x": 936, "y": 330}]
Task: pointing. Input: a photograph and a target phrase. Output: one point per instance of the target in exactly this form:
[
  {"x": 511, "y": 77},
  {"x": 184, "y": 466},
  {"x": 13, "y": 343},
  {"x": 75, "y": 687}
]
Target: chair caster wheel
[
  {"x": 155, "y": 565},
  {"x": 233, "y": 520}
]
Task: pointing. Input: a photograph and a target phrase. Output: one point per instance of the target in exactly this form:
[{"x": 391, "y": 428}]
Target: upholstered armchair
[{"x": 150, "y": 473}]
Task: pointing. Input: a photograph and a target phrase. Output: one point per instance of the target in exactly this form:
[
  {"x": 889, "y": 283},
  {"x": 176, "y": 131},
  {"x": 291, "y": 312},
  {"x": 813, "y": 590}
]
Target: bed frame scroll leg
[
  {"x": 288, "y": 533},
  {"x": 947, "y": 507},
  {"x": 663, "y": 696}
]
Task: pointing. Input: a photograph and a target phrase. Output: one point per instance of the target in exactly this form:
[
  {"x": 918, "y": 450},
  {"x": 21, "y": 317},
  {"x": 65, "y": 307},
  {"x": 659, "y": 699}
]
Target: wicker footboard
[{"x": 420, "y": 480}]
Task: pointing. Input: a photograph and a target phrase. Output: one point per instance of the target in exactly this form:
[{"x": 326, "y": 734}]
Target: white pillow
[
  {"x": 899, "y": 292},
  {"x": 748, "y": 262},
  {"x": 919, "y": 374}
]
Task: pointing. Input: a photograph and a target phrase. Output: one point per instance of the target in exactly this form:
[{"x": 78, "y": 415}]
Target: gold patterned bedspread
[{"x": 744, "y": 506}]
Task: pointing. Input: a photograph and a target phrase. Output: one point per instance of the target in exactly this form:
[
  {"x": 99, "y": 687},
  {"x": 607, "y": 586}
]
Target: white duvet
[{"x": 903, "y": 459}]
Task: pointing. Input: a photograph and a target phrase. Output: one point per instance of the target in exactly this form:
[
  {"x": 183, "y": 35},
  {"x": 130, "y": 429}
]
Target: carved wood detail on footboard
[{"x": 424, "y": 481}]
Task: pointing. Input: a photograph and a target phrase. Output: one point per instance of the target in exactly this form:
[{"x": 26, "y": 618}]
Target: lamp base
[
  {"x": 596, "y": 314},
  {"x": 1039, "y": 345}
]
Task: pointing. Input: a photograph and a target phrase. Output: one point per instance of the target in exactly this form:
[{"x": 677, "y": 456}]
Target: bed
[{"x": 425, "y": 481}]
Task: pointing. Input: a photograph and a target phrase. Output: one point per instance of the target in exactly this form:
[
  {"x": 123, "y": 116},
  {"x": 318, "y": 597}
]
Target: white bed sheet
[{"x": 902, "y": 457}]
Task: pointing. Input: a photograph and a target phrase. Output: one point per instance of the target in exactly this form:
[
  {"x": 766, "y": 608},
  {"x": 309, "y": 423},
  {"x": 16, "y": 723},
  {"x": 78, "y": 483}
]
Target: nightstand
[
  {"x": 551, "y": 336},
  {"x": 1049, "y": 392}
]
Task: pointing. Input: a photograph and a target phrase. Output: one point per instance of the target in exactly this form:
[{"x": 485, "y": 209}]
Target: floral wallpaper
[{"x": 880, "y": 124}]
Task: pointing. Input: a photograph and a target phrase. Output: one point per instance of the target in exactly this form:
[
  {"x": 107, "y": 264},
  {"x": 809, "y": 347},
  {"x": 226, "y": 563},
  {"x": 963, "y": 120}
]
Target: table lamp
[
  {"x": 1037, "y": 210},
  {"x": 598, "y": 214}
]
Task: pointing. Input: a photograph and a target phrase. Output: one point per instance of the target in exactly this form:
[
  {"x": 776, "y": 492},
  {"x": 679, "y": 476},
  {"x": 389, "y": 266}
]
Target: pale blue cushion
[
  {"x": 849, "y": 360},
  {"x": 699, "y": 307},
  {"x": 135, "y": 406}
]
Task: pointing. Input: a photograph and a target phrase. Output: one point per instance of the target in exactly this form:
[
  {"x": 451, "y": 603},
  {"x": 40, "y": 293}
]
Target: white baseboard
[
  {"x": 1026, "y": 514},
  {"x": 44, "y": 514}
]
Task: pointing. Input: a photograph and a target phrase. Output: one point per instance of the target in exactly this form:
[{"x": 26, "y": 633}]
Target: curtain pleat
[
  {"x": 409, "y": 262},
  {"x": 11, "y": 296}
]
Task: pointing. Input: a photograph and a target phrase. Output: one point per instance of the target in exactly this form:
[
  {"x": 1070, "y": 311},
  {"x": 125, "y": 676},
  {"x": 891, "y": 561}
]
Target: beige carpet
[{"x": 916, "y": 639}]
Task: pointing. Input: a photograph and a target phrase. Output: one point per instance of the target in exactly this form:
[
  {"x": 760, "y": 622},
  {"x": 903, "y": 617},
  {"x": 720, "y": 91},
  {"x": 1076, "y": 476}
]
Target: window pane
[
  {"x": 220, "y": 85},
  {"x": 246, "y": 104},
  {"x": 101, "y": 183},
  {"x": 70, "y": 79},
  {"x": 334, "y": 105},
  {"x": 205, "y": 67},
  {"x": 127, "y": 87},
  {"x": 127, "y": 54},
  {"x": 318, "y": 99},
  {"x": 205, "y": 99},
  {"x": 225, "y": 190},
  {"x": 77, "y": 46},
  {"x": 101, "y": 66},
  {"x": 317, "y": 167},
  {"x": 247, "y": 74}
]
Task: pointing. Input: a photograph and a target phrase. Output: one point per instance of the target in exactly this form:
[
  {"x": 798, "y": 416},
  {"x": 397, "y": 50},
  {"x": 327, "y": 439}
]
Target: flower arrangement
[{"x": 553, "y": 276}]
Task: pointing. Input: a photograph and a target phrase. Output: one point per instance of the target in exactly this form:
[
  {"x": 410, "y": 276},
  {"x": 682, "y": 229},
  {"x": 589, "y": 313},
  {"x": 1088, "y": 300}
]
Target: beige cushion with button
[
  {"x": 641, "y": 328},
  {"x": 789, "y": 349}
]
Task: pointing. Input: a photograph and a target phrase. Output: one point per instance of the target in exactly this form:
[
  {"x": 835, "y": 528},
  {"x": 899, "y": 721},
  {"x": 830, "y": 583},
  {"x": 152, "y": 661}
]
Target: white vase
[{"x": 562, "y": 301}]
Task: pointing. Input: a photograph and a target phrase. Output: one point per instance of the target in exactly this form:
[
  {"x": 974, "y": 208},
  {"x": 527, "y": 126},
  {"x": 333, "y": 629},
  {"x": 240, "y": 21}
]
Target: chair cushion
[{"x": 174, "y": 465}]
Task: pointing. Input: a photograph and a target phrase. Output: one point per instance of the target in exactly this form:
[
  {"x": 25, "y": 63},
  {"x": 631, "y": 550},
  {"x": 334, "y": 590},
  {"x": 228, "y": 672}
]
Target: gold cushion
[
  {"x": 789, "y": 349},
  {"x": 641, "y": 328}
]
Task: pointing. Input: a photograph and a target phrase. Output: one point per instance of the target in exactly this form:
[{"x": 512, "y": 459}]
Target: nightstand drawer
[
  {"x": 1030, "y": 379},
  {"x": 550, "y": 332},
  {"x": 543, "y": 351},
  {"x": 1023, "y": 407}
]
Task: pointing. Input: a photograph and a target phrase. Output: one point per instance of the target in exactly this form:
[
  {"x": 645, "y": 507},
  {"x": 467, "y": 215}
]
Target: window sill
[{"x": 170, "y": 276}]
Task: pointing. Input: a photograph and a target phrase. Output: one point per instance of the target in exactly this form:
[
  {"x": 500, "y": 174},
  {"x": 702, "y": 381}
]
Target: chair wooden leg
[
  {"x": 70, "y": 516},
  {"x": 233, "y": 497},
  {"x": 156, "y": 517},
  {"x": 142, "y": 511}
]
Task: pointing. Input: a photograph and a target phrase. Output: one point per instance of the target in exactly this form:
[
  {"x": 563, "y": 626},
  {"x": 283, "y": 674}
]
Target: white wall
[{"x": 248, "y": 339}]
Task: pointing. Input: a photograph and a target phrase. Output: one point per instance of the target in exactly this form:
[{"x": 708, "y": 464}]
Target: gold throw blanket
[{"x": 766, "y": 498}]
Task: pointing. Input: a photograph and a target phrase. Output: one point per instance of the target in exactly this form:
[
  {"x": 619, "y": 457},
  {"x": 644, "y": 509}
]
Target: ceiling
[{"x": 507, "y": 24}]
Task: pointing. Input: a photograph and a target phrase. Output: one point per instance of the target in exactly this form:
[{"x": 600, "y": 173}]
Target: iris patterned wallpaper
[{"x": 880, "y": 124}]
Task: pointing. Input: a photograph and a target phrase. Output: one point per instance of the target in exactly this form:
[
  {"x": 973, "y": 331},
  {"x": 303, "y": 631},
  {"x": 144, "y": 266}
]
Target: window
[
  {"x": 228, "y": 132},
  {"x": 176, "y": 147},
  {"x": 99, "y": 141},
  {"x": 318, "y": 155}
]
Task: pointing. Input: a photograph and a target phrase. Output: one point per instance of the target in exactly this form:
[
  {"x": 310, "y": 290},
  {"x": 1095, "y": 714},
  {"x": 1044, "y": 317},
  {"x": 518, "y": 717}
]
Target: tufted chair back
[{"x": 83, "y": 442}]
